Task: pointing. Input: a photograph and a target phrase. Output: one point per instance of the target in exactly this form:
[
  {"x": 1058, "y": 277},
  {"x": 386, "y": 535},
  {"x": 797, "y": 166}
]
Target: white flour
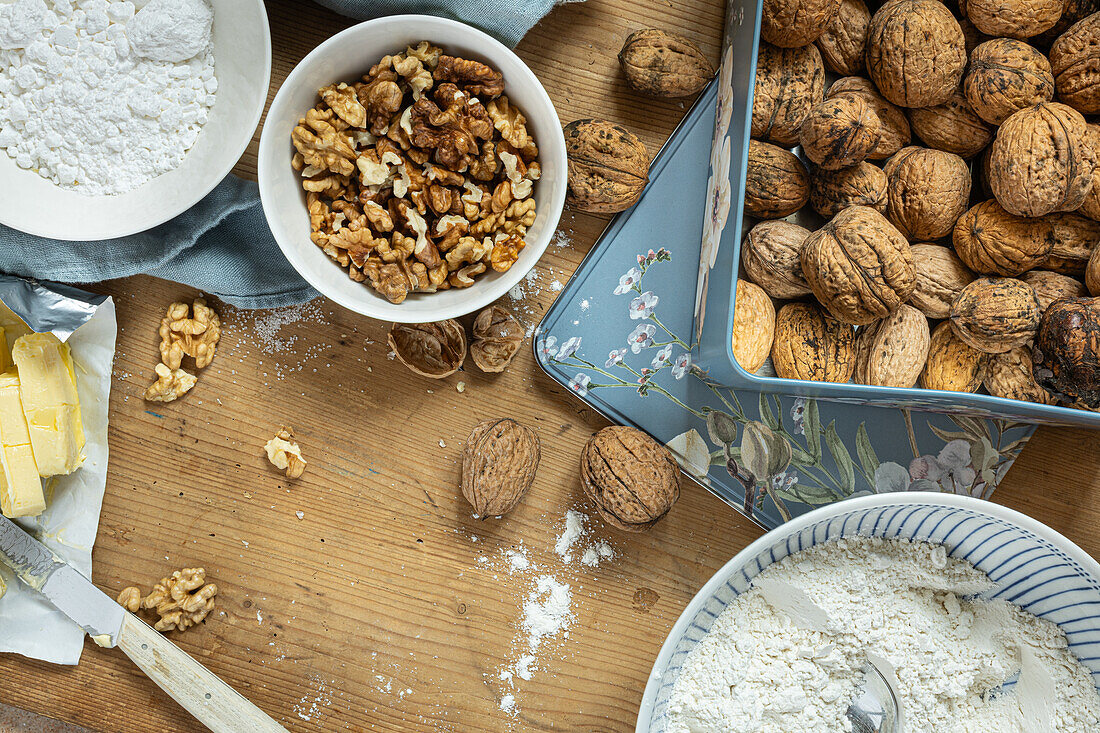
[
  {"x": 758, "y": 671},
  {"x": 99, "y": 98}
]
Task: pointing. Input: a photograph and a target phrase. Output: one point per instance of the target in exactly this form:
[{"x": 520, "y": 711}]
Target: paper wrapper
[{"x": 29, "y": 625}]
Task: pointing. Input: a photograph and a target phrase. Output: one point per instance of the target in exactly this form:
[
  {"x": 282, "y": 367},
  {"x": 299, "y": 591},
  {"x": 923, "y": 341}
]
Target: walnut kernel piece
[
  {"x": 473, "y": 77},
  {"x": 498, "y": 465},
  {"x": 284, "y": 453},
  {"x": 497, "y": 338},
  {"x": 171, "y": 384},
  {"x": 193, "y": 334},
  {"x": 130, "y": 598},
  {"x": 182, "y": 600},
  {"x": 434, "y": 350},
  {"x": 322, "y": 145}
]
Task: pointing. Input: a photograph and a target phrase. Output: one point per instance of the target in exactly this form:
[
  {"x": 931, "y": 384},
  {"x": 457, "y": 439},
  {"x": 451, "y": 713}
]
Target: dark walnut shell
[
  {"x": 433, "y": 350},
  {"x": 631, "y": 479},
  {"x": 895, "y": 127},
  {"x": 941, "y": 276},
  {"x": 789, "y": 82},
  {"x": 916, "y": 52},
  {"x": 1075, "y": 60},
  {"x": 770, "y": 254},
  {"x": 1066, "y": 355},
  {"x": 1004, "y": 77},
  {"x": 844, "y": 41},
  {"x": 992, "y": 241},
  {"x": 497, "y": 339},
  {"x": 812, "y": 345},
  {"x": 664, "y": 64},
  {"x": 1092, "y": 273},
  {"x": 1013, "y": 18},
  {"x": 863, "y": 184},
  {"x": 1075, "y": 238},
  {"x": 795, "y": 23},
  {"x": 1011, "y": 375},
  {"x": 952, "y": 127},
  {"x": 995, "y": 314},
  {"x": 927, "y": 192},
  {"x": 608, "y": 166},
  {"x": 953, "y": 364},
  {"x": 891, "y": 352},
  {"x": 777, "y": 183},
  {"x": 1090, "y": 207},
  {"x": 840, "y": 132},
  {"x": 1072, "y": 11},
  {"x": 1041, "y": 161},
  {"x": 498, "y": 465},
  {"x": 1051, "y": 286},
  {"x": 859, "y": 266}
]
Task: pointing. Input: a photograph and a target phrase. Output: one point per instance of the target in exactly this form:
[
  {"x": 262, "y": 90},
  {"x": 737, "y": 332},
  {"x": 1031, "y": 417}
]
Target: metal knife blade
[{"x": 61, "y": 584}]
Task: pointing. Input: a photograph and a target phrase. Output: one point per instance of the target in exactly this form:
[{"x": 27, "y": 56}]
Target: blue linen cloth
[{"x": 222, "y": 245}]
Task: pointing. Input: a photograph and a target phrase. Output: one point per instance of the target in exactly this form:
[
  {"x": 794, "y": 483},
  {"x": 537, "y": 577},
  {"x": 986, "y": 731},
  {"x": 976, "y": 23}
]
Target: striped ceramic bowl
[{"x": 1033, "y": 566}]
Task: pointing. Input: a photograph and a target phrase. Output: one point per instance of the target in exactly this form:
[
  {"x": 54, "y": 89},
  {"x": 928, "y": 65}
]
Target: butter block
[
  {"x": 5, "y": 352},
  {"x": 21, "y": 492},
  {"x": 47, "y": 387}
]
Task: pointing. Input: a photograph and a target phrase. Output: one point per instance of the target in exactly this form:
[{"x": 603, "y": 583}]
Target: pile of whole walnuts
[
  {"x": 419, "y": 176},
  {"x": 952, "y": 177}
]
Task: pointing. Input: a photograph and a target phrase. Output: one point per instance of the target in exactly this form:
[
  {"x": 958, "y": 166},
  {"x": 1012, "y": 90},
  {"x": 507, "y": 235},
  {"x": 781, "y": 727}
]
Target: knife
[{"x": 214, "y": 703}]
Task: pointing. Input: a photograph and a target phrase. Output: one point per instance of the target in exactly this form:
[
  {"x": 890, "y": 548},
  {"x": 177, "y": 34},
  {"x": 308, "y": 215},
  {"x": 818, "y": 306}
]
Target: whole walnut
[
  {"x": 789, "y": 82},
  {"x": 845, "y": 38},
  {"x": 953, "y": 364},
  {"x": 952, "y": 127},
  {"x": 1005, "y": 76},
  {"x": 753, "y": 326},
  {"x": 1072, "y": 11},
  {"x": 1075, "y": 61},
  {"x": 794, "y": 23},
  {"x": 891, "y": 352},
  {"x": 941, "y": 276},
  {"x": 1066, "y": 355},
  {"x": 995, "y": 314},
  {"x": 1090, "y": 207},
  {"x": 927, "y": 192},
  {"x": 916, "y": 52},
  {"x": 1092, "y": 273},
  {"x": 840, "y": 132},
  {"x": 810, "y": 344},
  {"x": 862, "y": 184},
  {"x": 1051, "y": 286},
  {"x": 777, "y": 183},
  {"x": 631, "y": 479},
  {"x": 992, "y": 241},
  {"x": 895, "y": 127},
  {"x": 859, "y": 266},
  {"x": 1013, "y": 18},
  {"x": 664, "y": 64},
  {"x": 498, "y": 465},
  {"x": 608, "y": 166},
  {"x": 1041, "y": 161},
  {"x": 1075, "y": 238},
  {"x": 1011, "y": 375},
  {"x": 770, "y": 254}
]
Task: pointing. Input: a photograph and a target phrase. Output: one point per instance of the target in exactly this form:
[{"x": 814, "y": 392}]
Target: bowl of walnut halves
[{"x": 412, "y": 169}]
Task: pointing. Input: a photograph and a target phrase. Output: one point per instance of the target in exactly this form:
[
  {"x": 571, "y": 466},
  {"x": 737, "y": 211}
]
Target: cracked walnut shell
[
  {"x": 895, "y": 131},
  {"x": 891, "y": 352},
  {"x": 789, "y": 82},
  {"x": 753, "y": 325},
  {"x": 795, "y": 23},
  {"x": 777, "y": 183},
  {"x": 770, "y": 255},
  {"x": 497, "y": 338},
  {"x": 498, "y": 466},
  {"x": 810, "y": 344},
  {"x": 434, "y": 350},
  {"x": 1075, "y": 62},
  {"x": 992, "y": 241},
  {"x": 844, "y": 40},
  {"x": 928, "y": 191},
  {"x": 608, "y": 166},
  {"x": 664, "y": 64},
  {"x": 953, "y": 364},
  {"x": 631, "y": 479},
  {"x": 863, "y": 184},
  {"x": 840, "y": 132},
  {"x": 995, "y": 314},
  {"x": 1005, "y": 76},
  {"x": 941, "y": 276},
  {"x": 916, "y": 52}
]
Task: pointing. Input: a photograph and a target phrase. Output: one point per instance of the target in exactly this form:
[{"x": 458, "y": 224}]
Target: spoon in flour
[{"x": 875, "y": 708}]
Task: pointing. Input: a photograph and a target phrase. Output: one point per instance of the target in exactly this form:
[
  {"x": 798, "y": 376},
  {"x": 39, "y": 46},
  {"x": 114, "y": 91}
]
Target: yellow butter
[
  {"x": 21, "y": 492},
  {"x": 5, "y": 352},
  {"x": 47, "y": 386}
]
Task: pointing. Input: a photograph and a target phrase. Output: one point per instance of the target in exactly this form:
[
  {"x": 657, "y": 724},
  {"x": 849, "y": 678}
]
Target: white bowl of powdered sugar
[
  {"x": 982, "y": 618},
  {"x": 118, "y": 115}
]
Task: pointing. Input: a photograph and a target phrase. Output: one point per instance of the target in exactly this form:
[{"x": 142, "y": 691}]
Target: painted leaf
[
  {"x": 844, "y": 466},
  {"x": 766, "y": 413},
  {"x": 865, "y": 451},
  {"x": 948, "y": 435},
  {"x": 811, "y": 426}
]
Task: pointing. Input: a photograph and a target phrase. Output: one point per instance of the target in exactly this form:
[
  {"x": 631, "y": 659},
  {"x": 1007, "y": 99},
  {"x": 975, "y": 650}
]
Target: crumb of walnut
[
  {"x": 284, "y": 453},
  {"x": 171, "y": 384}
]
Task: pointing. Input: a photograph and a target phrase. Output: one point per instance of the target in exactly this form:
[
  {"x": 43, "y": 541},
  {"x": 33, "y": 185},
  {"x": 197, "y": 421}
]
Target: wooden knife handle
[{"x": 213, "y": 703}]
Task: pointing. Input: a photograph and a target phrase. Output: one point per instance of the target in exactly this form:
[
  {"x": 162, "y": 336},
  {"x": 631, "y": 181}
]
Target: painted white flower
[
  {"x": 717, "y": 212},
  {"x": 641, "y": 337},
  {"x": 546, "y": 347},
  {"x": 615, "y": 357},
  {"x": 579, "y": 384},
  {"x": 662, "y": 356},
  {"x": 798, "y": 409},
  {"x": 643, "y": 305},
  {"x": 725, "y": 95},
  {"x": 628, "y": 281},
  {"x": 682, "y": 365},
  {"x": 569, "y": 347}
]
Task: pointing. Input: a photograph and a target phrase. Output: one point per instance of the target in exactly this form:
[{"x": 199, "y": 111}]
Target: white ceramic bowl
[
  {"x": 347, "y": 56},
  {"x": 1033, "y": 566},
  {"x": 242, "y": 64}
]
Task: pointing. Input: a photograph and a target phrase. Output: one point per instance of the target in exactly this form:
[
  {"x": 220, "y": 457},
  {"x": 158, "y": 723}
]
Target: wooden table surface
[{"x": 384, "y": 605}]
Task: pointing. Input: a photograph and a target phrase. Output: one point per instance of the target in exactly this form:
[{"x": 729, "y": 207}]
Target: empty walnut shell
[
  {"x": 863, "y": 184},
  {"x": 497, "y": 338},
  {"x": 992, "y": 241},
  {"x": 810, "y": 344},
  {"x": 952, "y": 127},
  {"x": 941, "y": 276},
  {"x": 859, "y": 266},
  {"x": 840, "y": 132},
  {"x": 1051, "y": 286},
  {"x": 1075, "y": 61},
  {"x": 995, "y": 314},
  {"x": 770, "y": 254},
  {"x": 1011, "y": 375},
  {"x": 608, "y": 166},
  {"x": 927, "y": 193},
  {"x": 794, "y": 23},
  {"x": 753, "y": 325},
  {"x": 433, "y": 350},
  {"x": 953, "y": 364},
  {"x": 664, "y": 64},
  {"x": 498, "y": 465},
  {"x": 1013, "y": 18},
  {"x": 891, "y": 352},
  {"x": 789, "y": 82},
  {"x": 895, "y": 133},
  {"x": 777, "y": 183},
  {"x": 1066, "y": 355},
  {"x": 1041, "y": 161},
  {"x": 1075, "y": 238},
  {"x": 916, "y": 52},
  {"x": 845, "y": 38},
  {"x": 1005, "y": 76},
  {"x": 631, "y": 479}
]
